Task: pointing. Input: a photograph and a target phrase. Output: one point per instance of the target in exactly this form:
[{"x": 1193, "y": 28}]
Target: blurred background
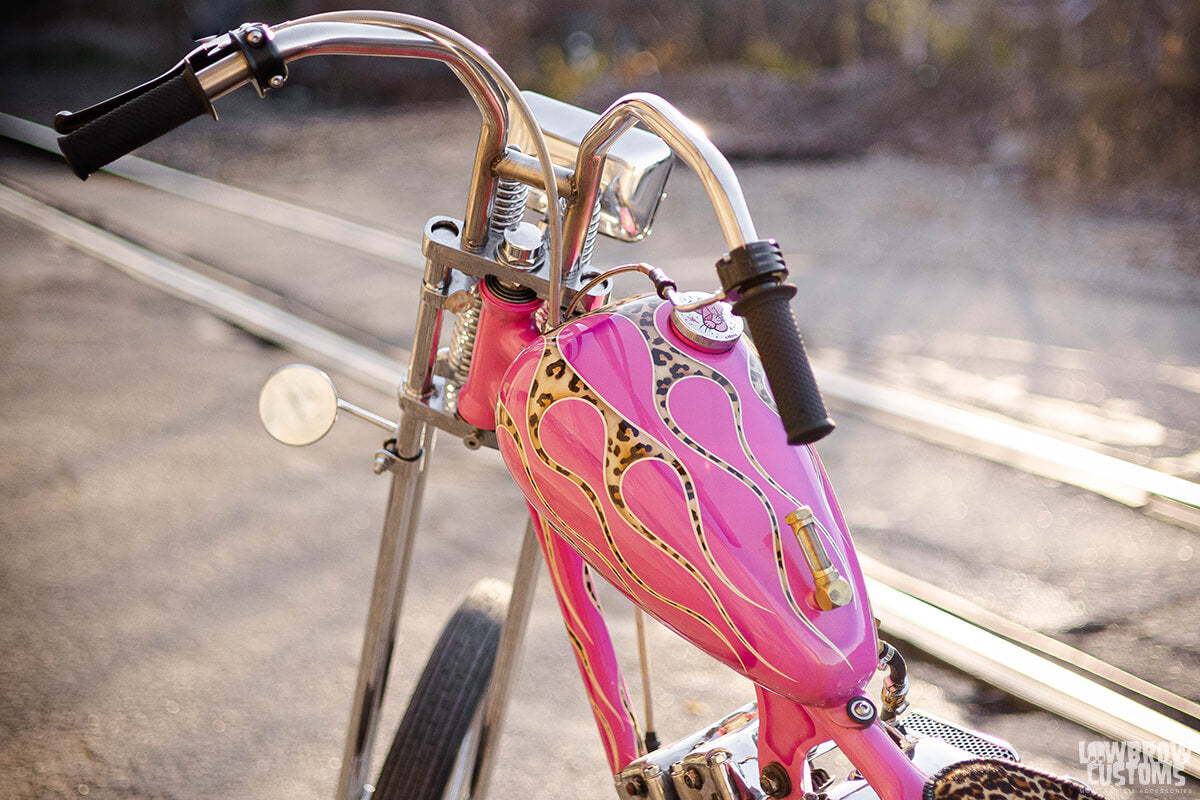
[
  {"x": 1098, "y": 97},
  {"x": 994, "y": 202}
]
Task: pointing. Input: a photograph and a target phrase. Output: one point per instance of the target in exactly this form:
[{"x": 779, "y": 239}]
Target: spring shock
[
  {"x": 508, "y": 208},
  {"x": 509, "y": 205},
  {"x": 589, "y": 244},
  {"x": 462, "y": 340}
]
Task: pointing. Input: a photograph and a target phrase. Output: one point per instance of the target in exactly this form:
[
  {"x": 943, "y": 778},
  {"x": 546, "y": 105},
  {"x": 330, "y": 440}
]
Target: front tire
[{"x": 433, "y": 754}]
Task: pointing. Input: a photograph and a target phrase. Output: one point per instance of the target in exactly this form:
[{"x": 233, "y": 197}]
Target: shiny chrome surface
[
  {"x": 720, "y": 760},
  {"x": 414, "y": 442},
  {"x": 918, "y": 725},
  {"x": 298, "y": 405},
  {"x": 712, "y": 327},
  {"x": 523, "y": 587},
  {"x": 462, "y": 340},
  {"x": 685, "y": 138},
  {"x": 928, "y": 754},
  {"x": 634, "y": 174},
  {"x": 521, "y": 247},
  {"x": 385, "y": 33},
  {"x": 639, "y": 620}
]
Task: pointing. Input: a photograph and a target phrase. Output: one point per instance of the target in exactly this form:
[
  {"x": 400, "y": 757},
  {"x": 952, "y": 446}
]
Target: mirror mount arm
[{"x": 369, "y": 416}]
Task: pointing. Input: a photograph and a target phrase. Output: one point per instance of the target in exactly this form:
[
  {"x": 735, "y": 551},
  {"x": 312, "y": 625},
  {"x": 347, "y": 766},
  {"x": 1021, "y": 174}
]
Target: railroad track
[{"x": 1017, "y": 659}]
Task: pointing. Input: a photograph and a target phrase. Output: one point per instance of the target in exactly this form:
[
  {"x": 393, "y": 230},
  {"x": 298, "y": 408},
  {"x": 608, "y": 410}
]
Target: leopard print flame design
[
  {"x": 625, "y": 446},
  {"x": 672, "y": 365},
  {"x": 554, "y": 379}
]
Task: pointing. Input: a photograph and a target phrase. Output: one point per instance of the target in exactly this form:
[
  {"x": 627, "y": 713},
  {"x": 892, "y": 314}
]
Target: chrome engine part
[
  {"x": 934, "y": 744},
  {"x": 721, "y": 761}
]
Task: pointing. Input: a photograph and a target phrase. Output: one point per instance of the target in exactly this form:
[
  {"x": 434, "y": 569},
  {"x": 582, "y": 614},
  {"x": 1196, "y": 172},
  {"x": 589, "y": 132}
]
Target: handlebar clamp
[{"x": 266, "y": 64}]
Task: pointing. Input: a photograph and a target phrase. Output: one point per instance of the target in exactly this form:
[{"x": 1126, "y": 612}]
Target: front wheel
[{"x": 433, "y": 754}]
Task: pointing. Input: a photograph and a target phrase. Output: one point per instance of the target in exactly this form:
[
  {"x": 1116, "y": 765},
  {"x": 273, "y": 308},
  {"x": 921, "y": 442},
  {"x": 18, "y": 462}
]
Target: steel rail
[
  {"x": 972, "y": 431},
  {"x": 1006, "y": 441},
  {"x": 955, "y": 639},
  {"x": 246, "y": 204},
  {"x": 1026, "y": 637},
  {"x": 1029, "y": 676},
  {"x": 260, "y": 318}
]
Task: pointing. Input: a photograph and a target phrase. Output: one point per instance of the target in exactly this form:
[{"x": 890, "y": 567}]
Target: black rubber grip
[
  {"x": 130, "y": 125},
  {"x": 754, "y": 275},
  {"x": 773, "y": 328}
]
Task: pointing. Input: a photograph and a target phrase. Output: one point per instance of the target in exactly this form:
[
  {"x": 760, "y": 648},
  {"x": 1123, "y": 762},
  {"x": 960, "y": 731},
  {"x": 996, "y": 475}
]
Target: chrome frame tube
[
  {"x": 414, "y": 443},
  {"x": 519, "y": 605},
  {"x": 399, "y": 35},
  {"x": 685, "y": 138},
  {"x": 383, "y": 33},
  {"x": 414, "y": 446}
]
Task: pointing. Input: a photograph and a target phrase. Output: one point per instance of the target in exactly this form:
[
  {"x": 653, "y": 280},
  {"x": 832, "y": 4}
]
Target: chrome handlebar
[
  {"x": 381, "y": 33},
  {"x": 258, "y": 53}
]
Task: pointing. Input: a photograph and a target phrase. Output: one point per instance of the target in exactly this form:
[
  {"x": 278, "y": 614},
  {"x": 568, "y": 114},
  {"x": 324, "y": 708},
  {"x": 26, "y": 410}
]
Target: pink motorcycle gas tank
[{"x": 666, "y": 467}]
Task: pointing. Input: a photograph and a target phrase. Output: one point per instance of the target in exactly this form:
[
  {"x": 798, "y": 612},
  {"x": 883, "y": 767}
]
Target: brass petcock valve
[{"x": 832, "y": 590}]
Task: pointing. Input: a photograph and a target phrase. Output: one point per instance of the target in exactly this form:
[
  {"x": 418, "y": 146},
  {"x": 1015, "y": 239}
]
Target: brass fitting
[{"x": 832, "y": 590}]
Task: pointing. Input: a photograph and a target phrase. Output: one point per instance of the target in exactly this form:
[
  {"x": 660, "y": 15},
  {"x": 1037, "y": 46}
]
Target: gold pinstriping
[
  {"x": 555, "y": 381},
  {"x": 670, "y": 366},
  {"x": 594, "y": 689}
]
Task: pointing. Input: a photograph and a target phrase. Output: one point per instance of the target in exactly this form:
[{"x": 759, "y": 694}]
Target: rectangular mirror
[{"x": 635, "y": 172}]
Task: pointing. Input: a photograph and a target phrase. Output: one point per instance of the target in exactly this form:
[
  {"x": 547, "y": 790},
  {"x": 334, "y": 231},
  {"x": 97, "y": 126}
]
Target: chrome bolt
[
  {"x": 522, "y": 247},
  {"x": 651, "y": 770},
  {"x": 635, "y": 786},
  {"x": 693, "y": 778},
  {"x": 254, "y": 38},
  {"x": 717, "y": 756},
  {"x": 861, "y": 710},
  {"x": 385, "y": 457},
  {"x": 277, "y": 81}
]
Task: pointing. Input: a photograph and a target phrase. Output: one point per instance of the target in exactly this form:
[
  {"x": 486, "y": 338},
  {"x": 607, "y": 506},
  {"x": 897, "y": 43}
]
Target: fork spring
[
  {"x": 462, "y": 340},
  {"x": 589, "y": 244},
  {"x": 509, "y": 206}
]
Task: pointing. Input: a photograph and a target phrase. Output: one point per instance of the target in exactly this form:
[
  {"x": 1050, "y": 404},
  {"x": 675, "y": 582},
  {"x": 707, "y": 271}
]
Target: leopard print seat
[{"x": 997, "y": 779}]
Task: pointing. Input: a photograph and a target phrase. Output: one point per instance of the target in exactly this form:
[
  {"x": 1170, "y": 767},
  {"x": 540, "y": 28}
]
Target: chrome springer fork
[{"x": 460, "y": 252}]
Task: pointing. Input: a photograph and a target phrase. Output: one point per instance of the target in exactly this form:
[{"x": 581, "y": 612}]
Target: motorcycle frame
[{"x": 459, "y": 253}]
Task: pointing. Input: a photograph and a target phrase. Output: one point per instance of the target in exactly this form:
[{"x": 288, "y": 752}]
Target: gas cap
[{"x": 713, "y": 328}]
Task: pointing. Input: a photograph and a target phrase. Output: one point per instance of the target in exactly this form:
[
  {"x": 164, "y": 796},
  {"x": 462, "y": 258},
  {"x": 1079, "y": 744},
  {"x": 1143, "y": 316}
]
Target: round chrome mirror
[{"x": 298, "y": 404}]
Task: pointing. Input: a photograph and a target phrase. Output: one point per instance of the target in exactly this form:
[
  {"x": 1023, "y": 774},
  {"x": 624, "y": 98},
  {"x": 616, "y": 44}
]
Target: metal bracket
[
  {"x": 431, "y": 410},
  {"x": 442, "y": 243},
  {"x": 266, "y": 63}
]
